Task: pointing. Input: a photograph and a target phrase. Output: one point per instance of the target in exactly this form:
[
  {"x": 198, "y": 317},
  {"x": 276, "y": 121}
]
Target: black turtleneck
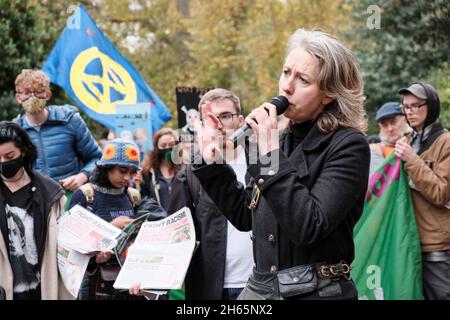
[{"x": 298, "y": 132}]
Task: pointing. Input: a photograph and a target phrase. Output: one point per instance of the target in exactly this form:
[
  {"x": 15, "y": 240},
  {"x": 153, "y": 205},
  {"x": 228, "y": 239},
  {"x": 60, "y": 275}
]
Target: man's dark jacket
[{"x": 205, "y": 277}]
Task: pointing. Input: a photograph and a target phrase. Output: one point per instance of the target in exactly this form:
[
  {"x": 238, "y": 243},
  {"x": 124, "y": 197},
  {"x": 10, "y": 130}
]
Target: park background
[{"x": 236, "y": 44}]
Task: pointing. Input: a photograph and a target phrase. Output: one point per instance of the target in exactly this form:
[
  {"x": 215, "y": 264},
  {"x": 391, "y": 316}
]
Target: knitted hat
[{"x": 120, "y": 152}]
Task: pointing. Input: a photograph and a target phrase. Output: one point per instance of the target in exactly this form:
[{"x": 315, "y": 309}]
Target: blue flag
[{"x": 88, "y": 67}]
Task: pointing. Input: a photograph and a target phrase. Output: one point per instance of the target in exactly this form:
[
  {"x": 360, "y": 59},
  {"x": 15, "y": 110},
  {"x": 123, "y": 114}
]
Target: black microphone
[{"x": 280, "y": 102}]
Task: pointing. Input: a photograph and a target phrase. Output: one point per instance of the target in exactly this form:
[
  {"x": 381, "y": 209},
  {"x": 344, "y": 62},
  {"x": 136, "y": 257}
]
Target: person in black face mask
[
  {"x": 29, "y": 206},
  {"x": 10, "y": 168},
  {"x": 158, "y": 169}
]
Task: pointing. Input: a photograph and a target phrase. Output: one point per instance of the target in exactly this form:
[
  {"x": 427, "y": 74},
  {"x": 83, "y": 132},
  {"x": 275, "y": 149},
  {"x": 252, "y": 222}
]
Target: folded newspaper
[
  {"x": 84, "y": 232},
  {"x": 160, "y": 255},
  {"x": 72, "y": 267},
  {"x": 80, "y": 232}
]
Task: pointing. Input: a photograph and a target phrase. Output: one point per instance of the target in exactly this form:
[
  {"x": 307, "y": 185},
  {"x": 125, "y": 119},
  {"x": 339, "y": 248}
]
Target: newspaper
[
  {"x": 161, "y": 254},
  {"x": 127, "y": 238},
  {"x": 84, "y": 232},
  {"x": 72, "y": 266},
  {"x": 81, "y": 232}
]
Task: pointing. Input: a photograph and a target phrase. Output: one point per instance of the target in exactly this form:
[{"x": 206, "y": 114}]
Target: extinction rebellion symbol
[{"x": 100, "y": 92}]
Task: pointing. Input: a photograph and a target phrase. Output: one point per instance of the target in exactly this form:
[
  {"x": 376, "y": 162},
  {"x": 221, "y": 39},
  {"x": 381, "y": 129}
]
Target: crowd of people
[{"x": 274, "y": 216}]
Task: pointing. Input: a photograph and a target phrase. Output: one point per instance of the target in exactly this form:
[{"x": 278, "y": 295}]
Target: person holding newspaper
[
  {"x": 109, "y": 197},
  {"x": 30, "y": 203}
]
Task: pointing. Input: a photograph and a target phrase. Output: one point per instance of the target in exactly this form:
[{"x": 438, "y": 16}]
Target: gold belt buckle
[
  {"x": 346, "y": 271},
  {"x": 325, "y": 271}
]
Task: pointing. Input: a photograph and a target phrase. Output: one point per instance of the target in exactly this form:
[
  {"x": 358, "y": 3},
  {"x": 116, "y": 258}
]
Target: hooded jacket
[{"x": 429, "y": 173}]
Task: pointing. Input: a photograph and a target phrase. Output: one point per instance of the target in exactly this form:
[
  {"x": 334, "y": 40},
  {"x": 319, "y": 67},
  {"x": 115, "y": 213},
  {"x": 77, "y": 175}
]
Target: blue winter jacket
[{"x": 64, "y": 144}]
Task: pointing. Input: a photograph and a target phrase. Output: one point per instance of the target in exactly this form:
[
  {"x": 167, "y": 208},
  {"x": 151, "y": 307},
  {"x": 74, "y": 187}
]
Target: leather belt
[{"x": 334, "y": 271}]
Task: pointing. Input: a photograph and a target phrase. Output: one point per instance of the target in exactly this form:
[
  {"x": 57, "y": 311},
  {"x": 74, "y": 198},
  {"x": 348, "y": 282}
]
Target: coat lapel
[
  {"x": 313, "y": 141},
  {"x": 297, "y": 156}
]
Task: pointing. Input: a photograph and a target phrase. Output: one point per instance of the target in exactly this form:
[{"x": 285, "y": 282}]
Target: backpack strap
[
  {"x": 155, "y": 185},
  {"x": 435, "y": 132},
  {"x": 134, "y": 196},
  {"x": 88, "y": 192}
]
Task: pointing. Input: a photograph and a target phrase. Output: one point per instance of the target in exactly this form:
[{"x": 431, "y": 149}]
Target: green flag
[
  {"x": 388, "y": 263},
  {"x": 176, "y": 295}
]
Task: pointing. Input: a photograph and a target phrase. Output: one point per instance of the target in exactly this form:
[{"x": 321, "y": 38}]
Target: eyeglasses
[
  {"x": 405, "y": 107},
  {"x": 23, "y": 96},
  {"x": 226, "y": 118}
]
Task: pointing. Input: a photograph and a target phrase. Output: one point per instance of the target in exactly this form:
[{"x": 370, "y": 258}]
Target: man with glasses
[
  {"x": 223, "y": 261},
  {"x": 426, "y": 159},
  {"x": 67, "y": 152}
]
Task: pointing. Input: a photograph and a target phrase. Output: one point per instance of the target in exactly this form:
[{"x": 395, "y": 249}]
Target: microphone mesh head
[{"x": 281, "y": 103}]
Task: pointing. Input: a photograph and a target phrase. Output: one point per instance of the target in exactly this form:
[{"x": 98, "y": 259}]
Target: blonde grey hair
[
  {"x": 220, "y": 94},
  {"x": 339, "y": 78}
]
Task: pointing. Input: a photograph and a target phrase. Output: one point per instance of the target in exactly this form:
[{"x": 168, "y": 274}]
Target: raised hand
[{"x": 209, "y": 136}]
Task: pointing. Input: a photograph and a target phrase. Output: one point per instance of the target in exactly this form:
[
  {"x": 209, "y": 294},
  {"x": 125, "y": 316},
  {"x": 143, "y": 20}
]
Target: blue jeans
[{"x": 231, "y": 293}]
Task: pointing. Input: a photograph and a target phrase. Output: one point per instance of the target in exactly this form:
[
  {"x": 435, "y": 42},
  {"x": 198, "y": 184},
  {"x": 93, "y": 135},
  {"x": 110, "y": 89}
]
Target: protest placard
[{"x": 133, "y": 123}]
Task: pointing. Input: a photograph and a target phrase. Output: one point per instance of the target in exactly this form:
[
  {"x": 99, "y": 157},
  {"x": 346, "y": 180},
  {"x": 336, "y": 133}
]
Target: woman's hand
[
  {"x": 209, "y": 137},
  {"x": 72, "y": 183},
  {"x": 263, "y": 121},
  {"x": 121, "y": 222}
]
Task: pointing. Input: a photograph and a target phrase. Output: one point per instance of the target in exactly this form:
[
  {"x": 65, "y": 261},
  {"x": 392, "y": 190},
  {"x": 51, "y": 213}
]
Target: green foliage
[
  {"x": 411, "y": 43},
  {"x": 21, "y": 48},
  {"x": 28, "y": 32},
  {"x": 235, "y": 44},
  {"x": 440, "y": 79}
]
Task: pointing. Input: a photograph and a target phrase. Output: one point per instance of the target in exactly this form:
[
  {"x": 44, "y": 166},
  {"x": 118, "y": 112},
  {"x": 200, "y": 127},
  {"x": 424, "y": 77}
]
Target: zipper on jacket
[{"x": 44, "y": 158}]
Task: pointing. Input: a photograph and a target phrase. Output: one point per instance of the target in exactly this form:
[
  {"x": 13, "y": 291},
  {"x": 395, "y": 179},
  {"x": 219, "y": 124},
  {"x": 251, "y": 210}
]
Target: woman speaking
[{"x": 308, "y": 185}]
